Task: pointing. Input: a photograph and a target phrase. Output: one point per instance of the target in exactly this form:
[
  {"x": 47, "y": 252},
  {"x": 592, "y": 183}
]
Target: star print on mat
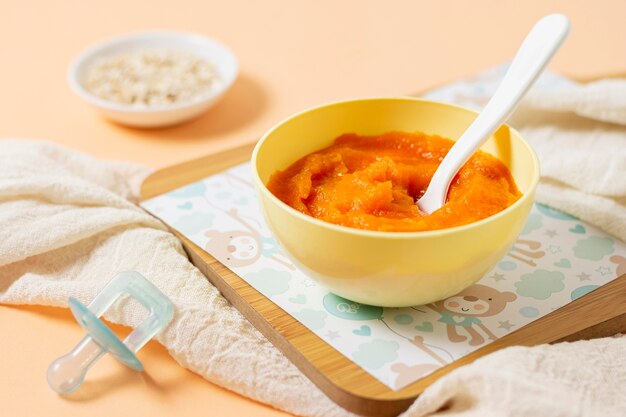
[
  {"x": 308, "y": 283},
  {"x": 553, "y": 249},
  {"x": 332, "y": 335},
  {"x": 551, "y": 233},
  {"x": 497, "y": 277},
  {"x": 506, "y": 325}
]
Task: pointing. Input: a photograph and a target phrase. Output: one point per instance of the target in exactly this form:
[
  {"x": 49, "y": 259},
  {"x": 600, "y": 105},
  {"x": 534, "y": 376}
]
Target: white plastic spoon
[{"x": 536, "y": 51}]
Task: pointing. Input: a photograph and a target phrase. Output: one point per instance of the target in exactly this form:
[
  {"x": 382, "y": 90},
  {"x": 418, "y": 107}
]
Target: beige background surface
[{"x": 293, "y": 54}]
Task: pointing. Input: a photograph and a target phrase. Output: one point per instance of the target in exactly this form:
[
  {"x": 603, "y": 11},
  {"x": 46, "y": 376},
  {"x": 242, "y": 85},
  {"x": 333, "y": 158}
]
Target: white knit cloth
[
  {"x": 68, "y": 224},
  {"x": 583, "y": 162}
]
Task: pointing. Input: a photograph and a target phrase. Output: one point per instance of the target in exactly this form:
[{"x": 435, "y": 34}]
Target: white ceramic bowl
[{"x": 214, "y": 52}]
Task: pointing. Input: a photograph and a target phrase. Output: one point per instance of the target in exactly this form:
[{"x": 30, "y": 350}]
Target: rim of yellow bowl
[{"x": 382, "y": 234}]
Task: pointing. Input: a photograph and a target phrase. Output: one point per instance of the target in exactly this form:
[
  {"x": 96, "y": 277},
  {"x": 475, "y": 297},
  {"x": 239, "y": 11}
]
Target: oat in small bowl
[{"x": 154, "y": 79}]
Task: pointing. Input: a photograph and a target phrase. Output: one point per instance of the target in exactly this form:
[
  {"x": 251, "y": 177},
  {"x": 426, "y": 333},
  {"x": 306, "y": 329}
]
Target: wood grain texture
[{"x": 600, "y": 313}]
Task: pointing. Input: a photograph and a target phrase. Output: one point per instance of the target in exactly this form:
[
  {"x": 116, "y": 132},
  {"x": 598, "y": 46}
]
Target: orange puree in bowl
[{"x": 372, "y": 182}]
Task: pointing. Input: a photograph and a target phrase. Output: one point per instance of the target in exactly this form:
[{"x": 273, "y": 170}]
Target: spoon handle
[{"x": 533, "y": 56}]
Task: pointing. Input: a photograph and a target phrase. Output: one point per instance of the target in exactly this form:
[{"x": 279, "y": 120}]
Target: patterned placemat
[{"x": 556, "y": 259}]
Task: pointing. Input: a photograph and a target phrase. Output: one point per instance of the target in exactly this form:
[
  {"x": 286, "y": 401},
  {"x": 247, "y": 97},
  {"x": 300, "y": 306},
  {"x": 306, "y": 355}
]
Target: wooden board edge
[
  {"x": 175, "y": 176},
  {"x": 607, "y": 328}
]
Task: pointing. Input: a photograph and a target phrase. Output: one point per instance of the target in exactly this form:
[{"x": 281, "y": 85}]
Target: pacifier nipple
[{"x": 67, "y": 373}]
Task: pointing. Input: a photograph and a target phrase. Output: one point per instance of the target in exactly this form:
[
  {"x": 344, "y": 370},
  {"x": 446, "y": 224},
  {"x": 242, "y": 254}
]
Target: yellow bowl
[{"x": 391, "y": 269}]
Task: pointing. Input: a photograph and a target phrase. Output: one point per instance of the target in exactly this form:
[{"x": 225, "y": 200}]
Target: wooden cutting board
[{"x": 600, "y": 313}]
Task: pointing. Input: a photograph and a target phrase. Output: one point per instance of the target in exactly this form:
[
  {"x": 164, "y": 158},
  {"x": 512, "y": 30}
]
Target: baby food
[
  {"x": 151, "y": 78},
  {"x": 372, "y": 182}
]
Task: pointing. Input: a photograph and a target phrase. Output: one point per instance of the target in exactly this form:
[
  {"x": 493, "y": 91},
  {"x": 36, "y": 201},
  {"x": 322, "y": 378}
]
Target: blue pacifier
[{"x": 66, "y": 373}]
